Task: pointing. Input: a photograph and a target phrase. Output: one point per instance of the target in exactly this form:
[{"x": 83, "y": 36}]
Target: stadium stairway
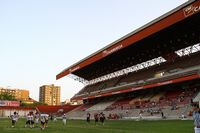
[
  {"x": 100, "y": 106},
  {"x": 177, "y": 113},
  {"x": 79, "y": 112},
  {"x": 76, "y": 114}
]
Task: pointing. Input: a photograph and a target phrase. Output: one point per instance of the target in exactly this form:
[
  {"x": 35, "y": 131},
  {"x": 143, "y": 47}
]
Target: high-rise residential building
[
  {"x": 19, "y": 94},
  {"x": 50, "y": 94}
]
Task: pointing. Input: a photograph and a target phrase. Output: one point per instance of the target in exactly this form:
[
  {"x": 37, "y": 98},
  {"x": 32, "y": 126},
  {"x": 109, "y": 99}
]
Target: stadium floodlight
[
  {"x": 134, "y": 68},
  {"x": 82, "y": 80},
  {"x": 188, "y": 50},
  {"x": 125, "y": 71}
]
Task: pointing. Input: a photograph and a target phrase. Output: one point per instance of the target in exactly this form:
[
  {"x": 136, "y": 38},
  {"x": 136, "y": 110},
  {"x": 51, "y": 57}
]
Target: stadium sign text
[
  {"x": 188, "y": 11},
  {"x": 9, "y": 103},
  {"x": 107, "y": 52}
]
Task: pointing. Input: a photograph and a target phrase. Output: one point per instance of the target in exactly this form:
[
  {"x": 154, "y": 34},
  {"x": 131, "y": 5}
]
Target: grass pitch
[{"x": 117, "y": 126}]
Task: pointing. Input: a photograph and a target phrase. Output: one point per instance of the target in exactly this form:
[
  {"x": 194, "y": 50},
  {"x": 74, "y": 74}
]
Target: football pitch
[{"x": 117, "y": 126}]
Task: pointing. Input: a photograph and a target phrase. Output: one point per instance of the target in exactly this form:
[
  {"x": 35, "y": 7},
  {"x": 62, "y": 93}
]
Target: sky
[{"x": 40, "y": 38}]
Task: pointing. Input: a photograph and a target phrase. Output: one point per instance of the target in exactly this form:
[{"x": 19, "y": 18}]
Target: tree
[
  {"x": 33, "y": 105},
  {"x": 7, "y": 96}
]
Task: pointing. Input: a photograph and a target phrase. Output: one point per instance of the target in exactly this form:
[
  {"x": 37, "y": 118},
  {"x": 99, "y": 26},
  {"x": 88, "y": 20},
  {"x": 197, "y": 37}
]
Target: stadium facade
[{"x": 155, "y": 67}]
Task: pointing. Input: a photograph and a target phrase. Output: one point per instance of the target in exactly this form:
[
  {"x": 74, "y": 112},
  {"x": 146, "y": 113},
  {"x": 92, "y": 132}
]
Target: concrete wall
[{"x": 8, "y": 112}]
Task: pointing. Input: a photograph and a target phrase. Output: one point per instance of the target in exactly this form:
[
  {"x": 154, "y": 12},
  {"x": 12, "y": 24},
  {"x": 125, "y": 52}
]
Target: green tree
[
  {"x": 32, "y": 105},
  {"x": 7, "y": 96}
]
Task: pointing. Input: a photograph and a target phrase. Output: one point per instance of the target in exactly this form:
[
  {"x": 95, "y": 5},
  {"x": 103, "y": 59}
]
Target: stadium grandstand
[{"x": 152, "y": 70}]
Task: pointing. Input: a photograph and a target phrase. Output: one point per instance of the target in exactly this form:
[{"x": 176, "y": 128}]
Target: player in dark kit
[
  {"x": 88, "y": 117},
  {"x": 102, "y": 117},
  {"x": 96, "y": 118}
]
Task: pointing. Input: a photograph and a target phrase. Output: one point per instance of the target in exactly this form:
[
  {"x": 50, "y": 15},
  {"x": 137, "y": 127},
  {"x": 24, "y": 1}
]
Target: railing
[{"x": 184, "y": 72}]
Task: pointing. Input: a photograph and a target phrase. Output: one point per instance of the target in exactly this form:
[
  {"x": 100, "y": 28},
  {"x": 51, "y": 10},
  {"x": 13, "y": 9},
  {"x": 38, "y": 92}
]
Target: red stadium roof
[{"x": 178, "y": 14}]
